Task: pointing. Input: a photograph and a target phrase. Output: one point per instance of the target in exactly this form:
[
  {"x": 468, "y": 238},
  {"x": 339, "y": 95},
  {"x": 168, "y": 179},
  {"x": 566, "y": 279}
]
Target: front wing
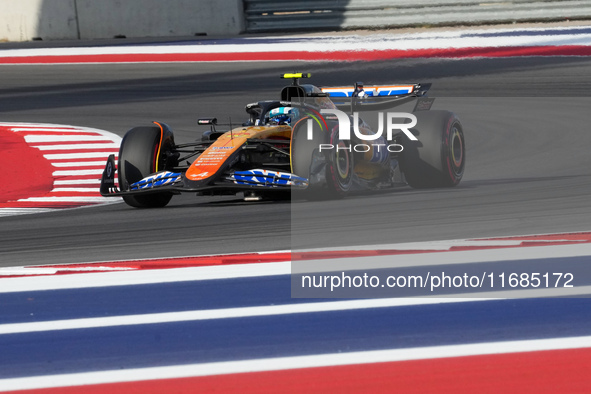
[{"x": 176, "y": 182}]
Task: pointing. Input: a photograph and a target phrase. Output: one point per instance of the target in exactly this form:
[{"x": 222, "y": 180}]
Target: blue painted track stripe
[
  {"x": 140, "y": 299},
  {"x": 31, "y": 306},
  {"x": 289, "y": 335}
]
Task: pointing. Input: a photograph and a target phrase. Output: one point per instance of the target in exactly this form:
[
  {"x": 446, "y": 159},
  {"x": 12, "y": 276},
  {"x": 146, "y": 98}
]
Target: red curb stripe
[
  {"x": 553, "y": 371},
  {"x": 253, "y": 258},
  {"x": 31, "y": 177},
  {"x": 566, "y": 50},
  {"x": 22, "y": 188}
]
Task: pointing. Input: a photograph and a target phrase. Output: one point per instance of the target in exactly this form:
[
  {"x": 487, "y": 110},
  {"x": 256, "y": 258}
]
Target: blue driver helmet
[{"x": 282, "y": 115}]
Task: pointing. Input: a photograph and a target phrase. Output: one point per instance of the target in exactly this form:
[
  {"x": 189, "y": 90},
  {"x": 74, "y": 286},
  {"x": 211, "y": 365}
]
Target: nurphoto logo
[{"x": 377, "y": 138}]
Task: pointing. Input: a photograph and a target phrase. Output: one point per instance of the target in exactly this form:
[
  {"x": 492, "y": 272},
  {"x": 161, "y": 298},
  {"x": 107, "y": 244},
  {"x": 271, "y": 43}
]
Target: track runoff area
[
  {"x": 543, "y": 41},
  {"x": 230, "y": 323}
]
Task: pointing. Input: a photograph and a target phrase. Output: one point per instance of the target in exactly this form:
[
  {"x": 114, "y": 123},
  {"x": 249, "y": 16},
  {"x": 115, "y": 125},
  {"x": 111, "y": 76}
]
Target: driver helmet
[{"x": 283, "y": 115}]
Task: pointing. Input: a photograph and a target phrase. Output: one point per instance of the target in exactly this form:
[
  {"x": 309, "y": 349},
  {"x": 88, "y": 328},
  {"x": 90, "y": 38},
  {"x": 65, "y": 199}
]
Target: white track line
[
  {"x": 73, "y": 281},
  {"x": 443, "y": 258},
  {"x": 75, "y": 190},
  {"x": 275, "y": 310},
  {"x": 66, "y": 199},
  {"x": 226, "y": 313},
  {"x": 62, "y": 164},
  {"x": 77, "y": 146},
  {"x": 34, "y": 138},
  {"x": 23, "y": 211},
  {"x": 78, "y": 281},
  {"x": 77, "y": 172},
  {"x": 47, "y": 129},
  {"x": 297, "y": 362},
  {"x": 82, "y": 155},
  {"x": 76, "y": 182},
  {"x": 57, "y": 129},
  {"x": 454, "y": 243}
]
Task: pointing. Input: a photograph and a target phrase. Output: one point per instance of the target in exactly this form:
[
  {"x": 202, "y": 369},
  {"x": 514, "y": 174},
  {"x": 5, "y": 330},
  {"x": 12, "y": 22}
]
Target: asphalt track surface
[{"x": 526, "y": 127}]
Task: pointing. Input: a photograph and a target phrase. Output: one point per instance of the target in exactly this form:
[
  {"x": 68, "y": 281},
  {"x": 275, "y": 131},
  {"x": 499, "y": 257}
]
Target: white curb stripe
[
  {"x": 74, "y": 281},
  {"x": 80, "y": 155},
  {"x": 66, "y": 199},
  {"x": 34, "y": 138},
  {"x": 22, "y": 211},
  {"x": 77, "y": 147},
  {"x": 77, "y": 172},
  {"x": 76, "y": 182},
  {"x": 74, "y": 190},
  {"x": 79, "y": 164}
]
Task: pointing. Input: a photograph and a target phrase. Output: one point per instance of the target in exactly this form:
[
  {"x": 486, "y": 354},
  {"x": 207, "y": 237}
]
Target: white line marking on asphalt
[
  {"x": 48, "y": 129},
  {"x": 34, "y": 138},
  {"x": 75, "y": 190},
  {"x": 442, "y": 258},
  {"x": 24, "y": 271},
  {"x": 296, "y": 362},
  {"x": 65, "y": 199},
  {"x": 77, "y": 172},
  {"x": 274, "y": 310},
  {"x": 285, "y": 268},
  {"x": 226, "y": 313},
  {"x": 81, "y": 155},
  {"x": 76, "y": 182},
  {"x": 73, "y": 281},
  {"x": 77, "y": 146},
  {"x": 97, "y": 163},
  {"x": 447, "y": 244},
  {"x": 22, "y": 211}
]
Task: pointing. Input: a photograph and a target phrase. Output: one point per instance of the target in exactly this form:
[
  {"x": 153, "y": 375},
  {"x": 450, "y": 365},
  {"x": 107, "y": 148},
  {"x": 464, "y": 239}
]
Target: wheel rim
[
  {"x": 457, "y": 150},
  {"x": 342, "y": 161}
]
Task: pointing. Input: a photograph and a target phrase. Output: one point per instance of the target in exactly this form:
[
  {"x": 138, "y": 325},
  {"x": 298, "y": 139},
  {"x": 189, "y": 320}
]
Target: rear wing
[
  {"x": 375, "y": 97},
  {"x": 370, "y": 91},
  {"x": 359, "y": 90}
]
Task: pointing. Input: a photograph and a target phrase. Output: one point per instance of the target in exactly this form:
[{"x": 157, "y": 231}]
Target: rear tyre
[
  {"x": 142, "y": 153},
  {"x": 438, "y": 158}
]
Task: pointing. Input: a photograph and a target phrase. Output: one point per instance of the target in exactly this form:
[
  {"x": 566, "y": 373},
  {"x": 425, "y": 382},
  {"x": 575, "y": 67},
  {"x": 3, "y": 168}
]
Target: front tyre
[
  {"x": 329, "y": 170},
  {"x": 438, "y": 158},
  {"x": 142, "y": 153},
  {"x": 307, "y": 161},
  {"x": 339, "y": 177}
]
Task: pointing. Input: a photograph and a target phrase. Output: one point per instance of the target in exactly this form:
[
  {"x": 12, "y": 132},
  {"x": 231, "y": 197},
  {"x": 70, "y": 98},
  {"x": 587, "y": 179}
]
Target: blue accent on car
[
  {"x": 393, "y": 92},
  {"x": 267, "y": 178},
  {"x": 156, "y": 180}
]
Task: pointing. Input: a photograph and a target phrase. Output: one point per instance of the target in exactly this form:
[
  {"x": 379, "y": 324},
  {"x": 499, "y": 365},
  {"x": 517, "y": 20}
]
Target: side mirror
[{"x": 207, "y": 121}]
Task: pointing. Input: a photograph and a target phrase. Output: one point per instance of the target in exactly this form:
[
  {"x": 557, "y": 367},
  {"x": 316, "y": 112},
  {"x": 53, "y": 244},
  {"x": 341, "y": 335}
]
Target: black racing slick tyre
[
  {"x": 438, "y": 158},
  {"x": 329, "y": 170},
  {"x": 306, "y": 159},
  {"x": 339, "y": 174},
  {"x": 142, "y": 153}
]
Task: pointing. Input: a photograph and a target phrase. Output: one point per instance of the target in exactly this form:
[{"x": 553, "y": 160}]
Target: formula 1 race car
[{"x": 303, "y": 142}]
